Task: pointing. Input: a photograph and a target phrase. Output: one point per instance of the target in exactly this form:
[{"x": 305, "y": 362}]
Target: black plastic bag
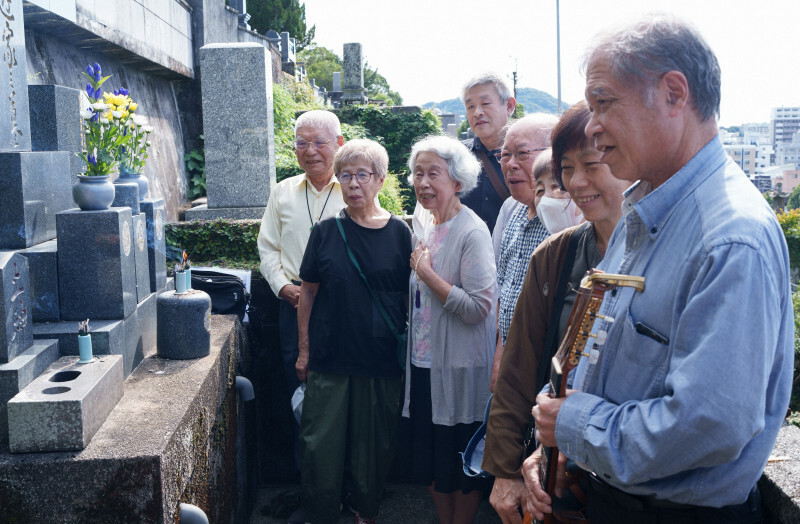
[{"x": 228, "y": 293}]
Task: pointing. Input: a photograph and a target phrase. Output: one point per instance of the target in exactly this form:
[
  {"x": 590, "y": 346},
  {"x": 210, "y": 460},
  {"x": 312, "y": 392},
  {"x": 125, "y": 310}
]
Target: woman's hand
[{"x": 421, "y": 262}]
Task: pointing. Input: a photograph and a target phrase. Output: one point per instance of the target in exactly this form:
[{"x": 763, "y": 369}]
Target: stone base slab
[
  {"x": 133, "y": 337},
  {"x": 203, "y": 212},
  {"x": 63, "y": 408},
  {"x": 169, "y": 440},
  {"x": 20, "y": 372}
]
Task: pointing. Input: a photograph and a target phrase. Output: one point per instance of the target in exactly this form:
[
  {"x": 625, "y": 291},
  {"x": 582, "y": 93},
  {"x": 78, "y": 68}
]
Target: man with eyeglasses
[
  {"x": 489, "y": 105},
  {"x": 295, "y": 206}
]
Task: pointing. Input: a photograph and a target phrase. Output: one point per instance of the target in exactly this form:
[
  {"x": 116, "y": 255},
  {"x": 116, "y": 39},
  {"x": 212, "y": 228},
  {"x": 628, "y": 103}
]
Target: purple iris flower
[
  {"x": 123, "y": 91},
  {"x": 89, "y": 90},
  {"x": 89, "y": 70},
  {"x": 91, "y": 158},
  {"x": 116, "y": 92},
  {"x": 97, "y": 93}
]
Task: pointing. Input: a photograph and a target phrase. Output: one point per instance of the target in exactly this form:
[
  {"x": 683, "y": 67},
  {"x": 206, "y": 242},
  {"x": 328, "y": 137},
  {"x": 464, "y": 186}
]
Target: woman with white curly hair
[{"x": 452, "y": 325}]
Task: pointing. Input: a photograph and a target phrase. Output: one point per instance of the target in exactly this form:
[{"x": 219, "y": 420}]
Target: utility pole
[
  {"x": 514, "y": 78},
  {"x": 558, "y": 53}
]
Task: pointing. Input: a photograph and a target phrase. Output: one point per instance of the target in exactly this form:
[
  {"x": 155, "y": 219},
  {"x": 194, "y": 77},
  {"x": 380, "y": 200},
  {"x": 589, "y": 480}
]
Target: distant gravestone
[
  {"x": 353, "y": 91},
  {"x": 337, "y": 81},
  {"x": 239, "y": 143},
  {"x": 16, "y": 332},
  {"x": 14, "y": 120}
]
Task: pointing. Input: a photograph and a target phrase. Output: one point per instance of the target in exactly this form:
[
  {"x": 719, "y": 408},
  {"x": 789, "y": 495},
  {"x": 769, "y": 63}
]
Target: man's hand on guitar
[
  {"x": 545, "y": 412},
  {"x": 538, "y": 501},
  {"x": 508, "y": 496}
]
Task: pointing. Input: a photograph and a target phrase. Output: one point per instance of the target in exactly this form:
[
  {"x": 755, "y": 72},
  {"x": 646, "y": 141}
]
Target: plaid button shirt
[{"x": 520, "y": 238}]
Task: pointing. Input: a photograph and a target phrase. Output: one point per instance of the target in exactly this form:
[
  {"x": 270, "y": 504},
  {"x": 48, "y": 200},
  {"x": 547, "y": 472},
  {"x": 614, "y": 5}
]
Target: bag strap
[
  {"x": 491, "y": 174},
  {"x": 555, "y": 313},
  {"x": 371, "y": 292}
]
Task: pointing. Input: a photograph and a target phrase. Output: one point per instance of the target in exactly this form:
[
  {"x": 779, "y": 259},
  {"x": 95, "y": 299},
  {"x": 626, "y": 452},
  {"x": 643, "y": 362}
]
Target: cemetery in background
[{"x": 157, "y": 422}]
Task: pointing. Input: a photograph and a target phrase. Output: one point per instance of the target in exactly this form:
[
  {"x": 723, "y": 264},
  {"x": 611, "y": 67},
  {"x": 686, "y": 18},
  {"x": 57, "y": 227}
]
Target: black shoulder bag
[{"x": 402, "y": 338}]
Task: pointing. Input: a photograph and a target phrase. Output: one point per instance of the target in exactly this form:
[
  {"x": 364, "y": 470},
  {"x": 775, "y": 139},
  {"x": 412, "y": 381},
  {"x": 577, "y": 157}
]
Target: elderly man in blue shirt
[{"x": 676, "y": 418}]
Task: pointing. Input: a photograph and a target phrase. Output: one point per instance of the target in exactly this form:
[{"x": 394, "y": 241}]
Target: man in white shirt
[{"x": 294, "y": 206}]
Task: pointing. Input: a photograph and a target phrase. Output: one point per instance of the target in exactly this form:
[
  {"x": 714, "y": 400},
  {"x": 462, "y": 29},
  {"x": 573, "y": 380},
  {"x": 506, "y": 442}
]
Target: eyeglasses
[
  {"x": 521, "y": 156},
  {"x": 302, "y": 145},
  {"x": 362, "y": 177}
]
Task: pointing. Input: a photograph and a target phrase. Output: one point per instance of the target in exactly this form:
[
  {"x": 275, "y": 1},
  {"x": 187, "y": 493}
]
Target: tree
[
  {"x": 378, "y": 87},
  {"x": 794, "y": 199},
  {"x": 281, "y": 15},
  {"x": 321, "y": 63}
]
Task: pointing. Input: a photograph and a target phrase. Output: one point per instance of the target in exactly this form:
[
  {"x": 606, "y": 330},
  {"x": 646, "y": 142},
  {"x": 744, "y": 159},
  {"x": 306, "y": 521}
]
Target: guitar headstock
[{"x": 584, "y": 314}]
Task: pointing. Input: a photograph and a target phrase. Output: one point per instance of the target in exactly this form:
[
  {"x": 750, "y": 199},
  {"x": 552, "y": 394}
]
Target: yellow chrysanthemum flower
[{"x": 132, "y": 106}]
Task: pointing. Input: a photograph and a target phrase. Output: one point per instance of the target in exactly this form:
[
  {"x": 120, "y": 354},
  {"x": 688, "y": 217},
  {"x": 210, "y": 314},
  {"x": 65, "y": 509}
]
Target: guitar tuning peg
[
  {"x": 594, "y": 356},
  {"x": 600, "y": 337},
  {"x": 607, "y": 318}
]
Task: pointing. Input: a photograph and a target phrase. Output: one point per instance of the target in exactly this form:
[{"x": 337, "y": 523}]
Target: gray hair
[
  {"x": 319, "y": 118},
  {"x": 362, "y": 150},
  {"x": 536, "y": 125},
  {"x": 642, "y": 52},
  {"x": 488, "y": 78},
  {"x": 462, "y": 166}
]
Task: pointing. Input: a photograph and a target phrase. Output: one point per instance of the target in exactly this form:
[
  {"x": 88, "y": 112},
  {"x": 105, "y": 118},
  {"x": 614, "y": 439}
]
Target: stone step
[
  {"x": 20, "y": 372},
  {"x": 62, "y": 409}
]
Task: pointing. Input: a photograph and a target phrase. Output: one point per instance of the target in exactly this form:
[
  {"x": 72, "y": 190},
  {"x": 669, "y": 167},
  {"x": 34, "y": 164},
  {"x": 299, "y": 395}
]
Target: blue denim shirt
[{"x": 691, "y": 417}]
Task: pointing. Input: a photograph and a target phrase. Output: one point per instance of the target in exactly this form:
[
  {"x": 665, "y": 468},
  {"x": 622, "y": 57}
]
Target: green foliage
[
  {"x": 195, "y": 162},
  {"x": 221, "y": 242},
  {"x": 790, "y": 223},
  {"x": 391, "y": 195},
  {"x": 281, "y": 15},
  {"x": 396, "y": 131},
  {"x": 794, "y": 199},
  {"x": 321, "y": 63},
  {"x": 378, "y": 87},
  {"x": 794, "y": 403},
  {"x": 462, "y": 127}
]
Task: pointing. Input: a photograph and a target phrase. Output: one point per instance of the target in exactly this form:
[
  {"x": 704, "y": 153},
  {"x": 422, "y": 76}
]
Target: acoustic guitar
[{"x": 578, "y": 341}]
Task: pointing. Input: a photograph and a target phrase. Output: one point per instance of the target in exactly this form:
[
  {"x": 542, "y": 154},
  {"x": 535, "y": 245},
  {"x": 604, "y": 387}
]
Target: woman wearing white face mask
[{"x": 554, "y": 207}]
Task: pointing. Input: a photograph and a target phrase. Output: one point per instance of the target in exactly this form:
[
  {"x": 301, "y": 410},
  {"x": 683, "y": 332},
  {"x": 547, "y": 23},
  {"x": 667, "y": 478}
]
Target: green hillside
[{"x": 532, "y": 99}]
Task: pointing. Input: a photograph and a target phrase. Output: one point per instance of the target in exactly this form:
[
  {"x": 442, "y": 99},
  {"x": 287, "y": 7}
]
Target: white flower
[
  {"x": 149, "y": 144},
  {"x": 117, "y": 114},
  {"x": 87, "y": 113},
  {"x": 147, "y": 129},
  {"x": 99, "y": 106},
  {"x": 104, "y": 120},
  {"x": 87, "y": 132},
  {"x": 139, "y": 120}
]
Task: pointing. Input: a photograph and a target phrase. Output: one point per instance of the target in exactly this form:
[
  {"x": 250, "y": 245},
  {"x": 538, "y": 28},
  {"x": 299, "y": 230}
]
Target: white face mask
[{"x": 558, "y": 213}]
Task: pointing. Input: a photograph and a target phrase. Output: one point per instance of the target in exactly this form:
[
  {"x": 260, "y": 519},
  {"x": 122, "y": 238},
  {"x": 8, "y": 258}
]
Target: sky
[{"x": 427, "y": 49}]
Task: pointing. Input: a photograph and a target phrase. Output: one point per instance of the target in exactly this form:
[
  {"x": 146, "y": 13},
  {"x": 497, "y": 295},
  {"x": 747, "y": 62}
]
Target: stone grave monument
[
  {"x": 105, "y": 265},
  {"x": 353, "y": 91},
  {"x": 238, "y": 128}
]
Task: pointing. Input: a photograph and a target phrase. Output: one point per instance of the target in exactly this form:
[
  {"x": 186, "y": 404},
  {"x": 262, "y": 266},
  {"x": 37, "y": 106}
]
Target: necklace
[{"x": 308, "y": 206}]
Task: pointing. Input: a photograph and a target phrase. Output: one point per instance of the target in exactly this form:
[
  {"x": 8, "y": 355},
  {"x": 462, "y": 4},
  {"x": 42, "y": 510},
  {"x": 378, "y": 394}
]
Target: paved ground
[{"x": 402, "y": 504}]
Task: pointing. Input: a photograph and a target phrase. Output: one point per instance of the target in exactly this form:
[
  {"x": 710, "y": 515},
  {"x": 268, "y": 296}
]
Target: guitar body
[{"x": 578, "y": 342}]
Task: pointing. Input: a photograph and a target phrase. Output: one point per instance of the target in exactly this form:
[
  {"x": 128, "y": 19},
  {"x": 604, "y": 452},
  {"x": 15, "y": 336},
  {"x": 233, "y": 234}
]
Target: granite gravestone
[
  {"x": 56, "y": 122},
  {"x": 353, "y": 91},
  {"x": 14, "y": 121},
  {"x": 96, "y": 266},
  {"x": 16, "y": 331},
  {"x": 238, "y": 127},
  {"x": 43, "y": 271},
  {"x": 153, "y": 209}
]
